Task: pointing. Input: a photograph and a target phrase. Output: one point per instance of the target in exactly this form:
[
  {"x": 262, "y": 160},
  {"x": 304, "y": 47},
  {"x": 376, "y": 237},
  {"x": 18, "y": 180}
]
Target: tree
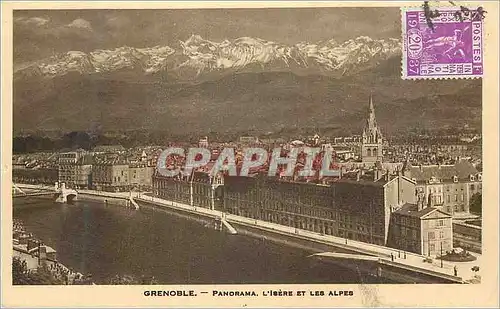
[
  {"x": 77, "y": 139},
  {"x": 20, "y": 273},
  {"x": 22, "y": 276},
  {"x": 123, "y": 280},
  {"x": 131, "y": 280},
  {"x": 475, "y": 204},
  {"x": 43, "y": 276}
]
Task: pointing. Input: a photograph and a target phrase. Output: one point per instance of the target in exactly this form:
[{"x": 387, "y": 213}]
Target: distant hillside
[{"x": 260, "y": 101}]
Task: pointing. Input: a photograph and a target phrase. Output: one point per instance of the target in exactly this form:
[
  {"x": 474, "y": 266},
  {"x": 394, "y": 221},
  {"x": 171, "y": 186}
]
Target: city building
[
  {"x": 174, "y": 189},
  {"x": 108, "y": 149},
  {"x": 141, "y": 175},
  {"x": 354, "y": 209},
  {"x": 447, "y": 187},
  {"x": 18, "y": 165},
  {"x": 421, "y": 229},
  {"x": 249, "y": 140},
  {"x": 47, "y": 176},
  {"x": 75, "y": 169},
  {"x": 83, "y": 172},
  {"x": 203, "y": 142},
  {"x": 353, "y": 140},
  {"x": 199, "y": 189},
  {"x": 344, "y": 155},
  {"x": 35, "y": 168},
  {"x": 110, "y": 173},
  {"x": 372, "y": 143}
]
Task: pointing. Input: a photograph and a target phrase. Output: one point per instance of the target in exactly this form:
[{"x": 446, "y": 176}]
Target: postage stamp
[{"x": 442, "y": 46}]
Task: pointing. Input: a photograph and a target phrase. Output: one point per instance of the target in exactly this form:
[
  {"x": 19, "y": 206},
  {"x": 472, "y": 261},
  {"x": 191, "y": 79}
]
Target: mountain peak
[
  {"x": 195, "y": 39},
  {"x": 251, "y": 41},
  {"x": 202, "y": 56},
  {"x": 364, "y": 39}
]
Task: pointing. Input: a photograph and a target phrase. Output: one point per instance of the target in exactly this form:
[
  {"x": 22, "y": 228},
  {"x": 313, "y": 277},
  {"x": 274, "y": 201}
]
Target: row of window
[
  {"x": 317, "y": 225},
  {"x": 409, "y": 245},
  {"x": 405, "y": 232},
  {"x": 120, "y": 179},
  {"x": 180, "y": 189},
  {"x": 346, "y": 219},
  {"x": 433, "y": 247},
  {"x": 308, "y": 200},
  {"x": 345, "y": 203},
  {"x": 456, "y": 208},
  {"x": 432, "y": 235},
  {"x": 409, "y": 221},
  {"x": 455, "y": 198},
  {"x": 438, "y": 189}
]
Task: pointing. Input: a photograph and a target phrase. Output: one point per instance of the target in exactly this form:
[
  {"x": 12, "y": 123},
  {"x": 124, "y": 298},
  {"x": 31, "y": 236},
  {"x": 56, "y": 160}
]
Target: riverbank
[
  {"x": 405, "y": 261},
  {"x": 152, "y": 242},
  {"x": 36, "y": 258},
  {"x": 314, "y": 242},
  {"x": 120, "y": 199}
]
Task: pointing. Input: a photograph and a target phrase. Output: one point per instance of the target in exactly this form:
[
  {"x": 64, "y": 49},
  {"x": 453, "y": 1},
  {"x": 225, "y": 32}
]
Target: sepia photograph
[{"x": 207, "y": 151}]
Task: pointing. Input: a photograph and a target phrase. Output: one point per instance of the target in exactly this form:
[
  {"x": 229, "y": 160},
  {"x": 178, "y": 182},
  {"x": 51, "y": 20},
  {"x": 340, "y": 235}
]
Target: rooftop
[
  {"x": 462, "y": 170},
  {"x": 108, "y": 148},
  {"x": 411, "y": 210}
]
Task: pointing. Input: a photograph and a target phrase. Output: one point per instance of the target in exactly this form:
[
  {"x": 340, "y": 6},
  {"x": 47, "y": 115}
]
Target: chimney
[
  {"x": 43, "y": 252},
  {"x": 430, "y": 202},
  {"x": 420, "y": 202},
  {"x": 400, "y": 188},
  {"x": 31, "y": 244}
]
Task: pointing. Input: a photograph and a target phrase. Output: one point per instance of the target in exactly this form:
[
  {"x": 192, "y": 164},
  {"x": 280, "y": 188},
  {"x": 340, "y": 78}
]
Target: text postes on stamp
[{"x": 452, "y": 47}]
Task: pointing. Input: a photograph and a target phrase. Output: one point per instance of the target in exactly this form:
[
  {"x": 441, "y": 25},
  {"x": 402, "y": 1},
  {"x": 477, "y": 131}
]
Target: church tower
[{"x": 371, "y": 147}]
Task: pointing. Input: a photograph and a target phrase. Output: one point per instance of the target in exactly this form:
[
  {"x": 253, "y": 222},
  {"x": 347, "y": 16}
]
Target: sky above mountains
[{"x": 41, "y": 33}]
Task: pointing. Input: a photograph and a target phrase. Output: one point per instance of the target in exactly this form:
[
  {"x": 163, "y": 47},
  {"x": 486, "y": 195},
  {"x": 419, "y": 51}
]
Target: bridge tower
[{"x": 63, "y": 194}]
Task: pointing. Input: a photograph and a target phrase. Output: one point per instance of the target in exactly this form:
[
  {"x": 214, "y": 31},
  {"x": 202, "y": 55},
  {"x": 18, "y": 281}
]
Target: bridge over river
[{"x": 59, "y": 192}]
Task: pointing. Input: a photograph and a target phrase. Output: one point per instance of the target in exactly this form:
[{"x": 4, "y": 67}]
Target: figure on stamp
[{"x": 454, "y": 43}]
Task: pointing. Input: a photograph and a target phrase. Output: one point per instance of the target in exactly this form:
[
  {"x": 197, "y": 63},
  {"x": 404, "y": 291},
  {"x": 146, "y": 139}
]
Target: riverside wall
[
  {"x": 386, "y": 270},
  {"x": 392, "y": 271},
  {"x": 109, "y": 200}
]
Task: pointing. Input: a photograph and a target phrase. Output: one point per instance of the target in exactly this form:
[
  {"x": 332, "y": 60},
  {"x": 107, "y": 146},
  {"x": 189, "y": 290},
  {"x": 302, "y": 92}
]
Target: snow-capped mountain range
[{"x": 197, "y": 56}]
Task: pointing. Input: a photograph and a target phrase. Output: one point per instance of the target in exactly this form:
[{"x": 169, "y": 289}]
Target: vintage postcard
[{"x": 250, "y": 154}]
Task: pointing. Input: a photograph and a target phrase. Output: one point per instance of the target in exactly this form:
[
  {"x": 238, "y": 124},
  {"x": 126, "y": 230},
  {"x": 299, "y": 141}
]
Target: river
[{"x": 106, "y": 240}]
